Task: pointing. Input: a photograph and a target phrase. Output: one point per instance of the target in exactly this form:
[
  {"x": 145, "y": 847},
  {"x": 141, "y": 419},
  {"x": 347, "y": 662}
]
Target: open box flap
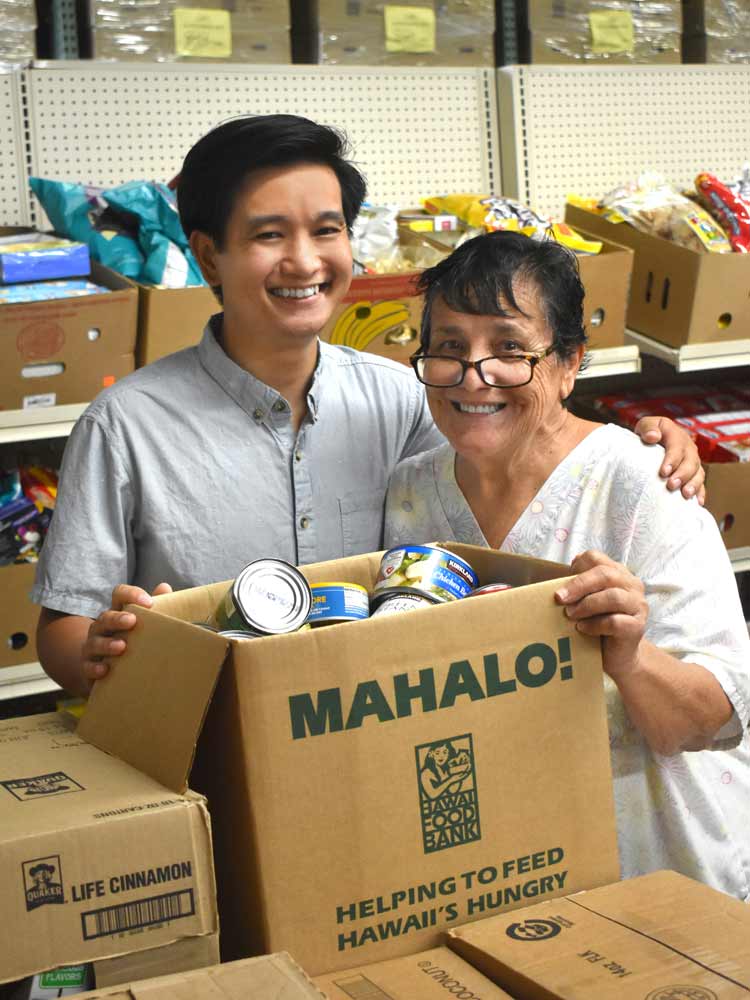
[{"x": 149, "y": 709}]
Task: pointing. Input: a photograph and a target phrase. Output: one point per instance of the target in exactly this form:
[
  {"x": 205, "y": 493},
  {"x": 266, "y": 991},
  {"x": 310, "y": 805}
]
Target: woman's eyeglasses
[{"x": 500, "y": 371}]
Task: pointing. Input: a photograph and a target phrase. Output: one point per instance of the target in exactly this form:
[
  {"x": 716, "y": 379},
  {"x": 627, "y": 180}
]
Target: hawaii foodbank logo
[{"x": 448, "y": 803}]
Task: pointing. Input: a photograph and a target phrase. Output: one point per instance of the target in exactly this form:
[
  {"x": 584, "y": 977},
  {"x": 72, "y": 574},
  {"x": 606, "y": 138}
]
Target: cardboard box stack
[
  {"x": 317, "y": 756},
  {"x": 716, "y": 31},
  {"x": 599, "y": 31},
  {"x": 98, "y": 862},
  {"x": 413, "y": 33},
  {"x": 18, "y": 34},
  {"x": 426, "y": 975},
  {"x": 659, "y": 937},
  {"x": 268, "y": 977},
  {"x": 245, "y": 31}
]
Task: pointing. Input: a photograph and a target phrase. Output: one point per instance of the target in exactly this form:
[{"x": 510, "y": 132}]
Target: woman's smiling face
[{"x": 481, "y": 420}]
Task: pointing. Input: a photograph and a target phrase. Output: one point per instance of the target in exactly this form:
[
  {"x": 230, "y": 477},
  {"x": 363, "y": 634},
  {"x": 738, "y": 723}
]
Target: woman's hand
[
  {"x": 107, "y": 636},
  {"x": 681, "y": 466},
  {"x": 605, "y": 599}
]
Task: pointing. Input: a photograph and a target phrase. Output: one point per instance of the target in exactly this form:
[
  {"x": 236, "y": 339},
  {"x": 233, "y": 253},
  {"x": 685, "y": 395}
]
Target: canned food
[
  {"x": 401, "y": 599},
  {"x": 428, "y": 569},
  {"x": 338, "y": 602},
  {"x": 269, "y": 597},
  {"x": 491, "y": 588}
]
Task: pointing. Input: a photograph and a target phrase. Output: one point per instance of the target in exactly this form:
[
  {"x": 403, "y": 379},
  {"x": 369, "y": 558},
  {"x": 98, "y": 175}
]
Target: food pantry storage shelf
[
  {"x": 612, "y": 361},
  {"x": 40, "y": 424},
  {"x": 695, "y": 357},
  {"x": 414, "y": 131},
  {"x": 14, "y": 200},
  {"x": 586, "y": 129},
  {"x": 740, "y": 559},
  {"x": 24, "y": 680}
]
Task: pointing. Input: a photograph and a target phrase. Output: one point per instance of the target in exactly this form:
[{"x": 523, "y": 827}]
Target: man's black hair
[
  {"x": 478, "y": 278},
  {"x": 218, "y": 165}
]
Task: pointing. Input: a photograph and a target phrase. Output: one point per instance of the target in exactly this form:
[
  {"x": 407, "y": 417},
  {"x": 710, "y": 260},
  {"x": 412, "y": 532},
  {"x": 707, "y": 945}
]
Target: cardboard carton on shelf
[
  {"x": 18, "y": 616},
  {"x": 427, "y": 975},
  {"x": 678, "y": 296},
  {"x": 98, "y": 862},
  {"x": 657, "y": 936},
  {"x": 268, "y": 977},
  {"x": 323, "y": 750},
  {"x": 728, "y": 499},
  {"x": 67, "y": 350}
]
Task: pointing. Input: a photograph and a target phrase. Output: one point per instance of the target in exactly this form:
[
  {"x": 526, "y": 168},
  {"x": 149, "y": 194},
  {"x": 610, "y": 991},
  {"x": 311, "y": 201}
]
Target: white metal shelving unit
[
  {"x": 585, "y": 129},
  {"x": 694, "y": 357},
  {"x": 27, "y": 679},
  {"x": 607, "y": 361},
  {"x": 14, "y": 198},
  {"x": 414, "y": 131},
  {"x": 38, "y": 424}
]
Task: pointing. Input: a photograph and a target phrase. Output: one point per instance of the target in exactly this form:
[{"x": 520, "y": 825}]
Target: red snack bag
[{"x": 727, "y": 208}]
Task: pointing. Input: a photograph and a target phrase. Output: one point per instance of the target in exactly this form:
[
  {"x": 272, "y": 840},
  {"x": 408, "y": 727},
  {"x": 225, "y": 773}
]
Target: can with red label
[{"x": 491, "y": 588}]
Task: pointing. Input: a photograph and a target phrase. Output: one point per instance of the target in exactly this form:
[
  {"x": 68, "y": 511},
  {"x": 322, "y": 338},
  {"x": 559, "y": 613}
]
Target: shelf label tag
[
  {"x": 201, "y": 32},
  {"x": 409, "y": 29},
  {"x": 611, "y": 31}
]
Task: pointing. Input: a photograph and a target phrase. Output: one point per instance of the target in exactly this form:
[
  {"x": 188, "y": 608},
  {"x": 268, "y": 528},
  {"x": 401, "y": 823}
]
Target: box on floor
[
  {"x": 98, "y": 862},
  {"x": 269, "y": 977},
  {"x": 657, "y": 937},
  {"x": 332, "y": 841},
  {"x": 427, "y": 975},
  {"x": 66, "y": 350},
  {"x": 678, "y": 296}
]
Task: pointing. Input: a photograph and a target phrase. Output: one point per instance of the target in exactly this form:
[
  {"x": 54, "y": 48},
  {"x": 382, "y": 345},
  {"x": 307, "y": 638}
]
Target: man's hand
[
  {"x": 605, "y": 599},
  {"x": 107, "y": 636},
  {"x": 681, "y": 466}
]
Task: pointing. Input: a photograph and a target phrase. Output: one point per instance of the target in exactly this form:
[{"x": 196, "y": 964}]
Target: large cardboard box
[
  {"x": 66, "y": 350},
  {"x": 18, "y": 616},
  {"x": 97, "y": 860},
  {"x": 269, "y": 977},
  {"x": 657, "y": 937},
  {"x": 171, "y": 319},
  {"x": 678, "y": 296},
  {"x": 728, "y": 499},
  {"x": 428, "y": 975},
  {"x": 320, "y": 748},
  {"x": 606, "y": 280}
]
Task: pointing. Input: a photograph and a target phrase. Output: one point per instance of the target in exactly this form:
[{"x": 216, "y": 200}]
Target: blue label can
[
  {"x": 338, "y": 602},
  {"x": 429, "y": 569}
]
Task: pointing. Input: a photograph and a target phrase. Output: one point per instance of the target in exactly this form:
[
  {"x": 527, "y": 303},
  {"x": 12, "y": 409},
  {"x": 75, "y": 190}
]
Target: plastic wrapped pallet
[
  {"x": 601, "y": 31},
  {"x": 238, "y": 31},
  {"x": 413, "y": 33},
  {"x": 717, "y": 31},
  {"x": 17, "y": 31}
]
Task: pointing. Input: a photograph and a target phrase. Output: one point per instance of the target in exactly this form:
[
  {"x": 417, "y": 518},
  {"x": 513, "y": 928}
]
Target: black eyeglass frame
[{"x": 533, "y": 357}]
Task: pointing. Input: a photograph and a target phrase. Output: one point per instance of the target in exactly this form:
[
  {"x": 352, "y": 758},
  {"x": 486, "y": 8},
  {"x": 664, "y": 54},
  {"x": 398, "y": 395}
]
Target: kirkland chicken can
[
  {"x": 428, "y": 569},
  {"x": 338, "y": 602},
  {"x": 490, "y": 588},
  {"x": 390, "y": 602},
  {"x": 269, "y": 597}
]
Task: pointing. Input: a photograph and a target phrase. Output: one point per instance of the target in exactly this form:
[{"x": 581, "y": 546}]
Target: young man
[{"x": 260, "y": 441}]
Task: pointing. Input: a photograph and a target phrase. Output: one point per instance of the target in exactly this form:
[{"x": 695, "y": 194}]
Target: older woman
[{"x": 502, "y": 342}]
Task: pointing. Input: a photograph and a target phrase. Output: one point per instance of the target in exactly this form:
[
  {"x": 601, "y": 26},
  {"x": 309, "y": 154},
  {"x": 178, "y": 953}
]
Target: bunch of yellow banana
[{"x": 360, "y": 323}]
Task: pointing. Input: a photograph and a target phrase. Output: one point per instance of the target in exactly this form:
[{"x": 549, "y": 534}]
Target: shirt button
[
  {"x": 279, "y": 406},
  {"x": 298, "y": 456},
  {"x": 407, "y": 506},
  {"x": 258, "y": 414},
  {"x": 304, "y": 522}
]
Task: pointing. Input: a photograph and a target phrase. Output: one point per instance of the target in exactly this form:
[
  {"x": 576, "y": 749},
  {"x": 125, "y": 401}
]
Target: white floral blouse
[{"x": 689, "y": 812}]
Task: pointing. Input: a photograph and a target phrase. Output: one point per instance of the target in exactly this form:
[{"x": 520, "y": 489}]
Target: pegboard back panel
[
  {"x": 586, "y": 129},
  {"x": 14, "y": 200},
  {"x": 414, "y": 132}
]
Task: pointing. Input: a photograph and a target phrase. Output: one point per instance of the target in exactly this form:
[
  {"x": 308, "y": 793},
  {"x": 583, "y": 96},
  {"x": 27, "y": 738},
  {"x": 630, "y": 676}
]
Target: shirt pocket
[{"x": 362, "y": 520}]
